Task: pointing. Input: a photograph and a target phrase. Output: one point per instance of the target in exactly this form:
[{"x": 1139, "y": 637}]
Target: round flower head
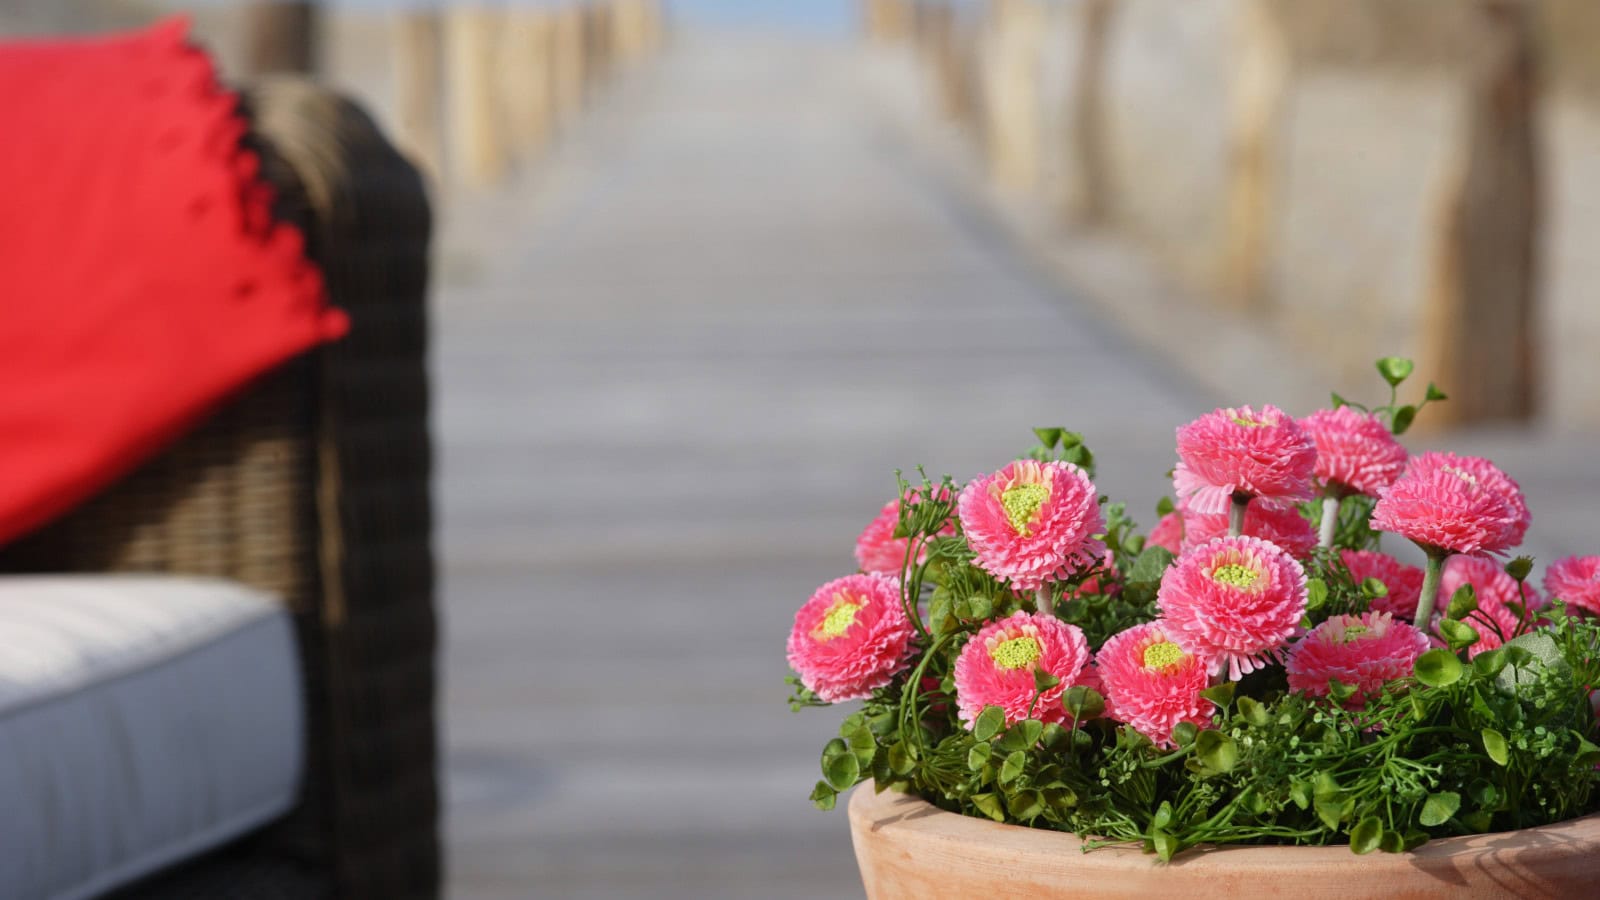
[
  {"x": 1364, "y": 652},
  {"x": 1458, "y": 503},
  {"x": 1032, "y": 522},
  {"x": 1234, "y": 601},
  {"x": 1356, "y": 453},
  {"x": 1281, "y": 524},
  {"x": 1404, "y": 582},
  {"x": 1150, "y": 682},
  {"x": 1168, "y": 533},
  {"x": 850, "y": 638},
  {"x": 1495, "y": 592},
  {"x": 1576, "y": 580},
  {"x": 996, "y": 667},
  {"x": 1242, "y": 451},
  {"x": 878, "y": 550}
]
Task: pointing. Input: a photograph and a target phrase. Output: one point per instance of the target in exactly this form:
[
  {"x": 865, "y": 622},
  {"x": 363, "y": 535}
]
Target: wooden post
[
  {"x": 597, "y": 42},
  {"x": 417, "y": 79},
  {"x": 280, "y": 36},
  {"x": 1479, "y": 334},
  {"x": 568, "y": 61},
  {"x": 526, "y": 76},
  {"x": 476, "y": 150},
  {"x": 628, "y": 24},
  {"x": 1259, "y": 89},
  {"x": 948, "y": 73},
  {"x": 1091, "y": 204},
  {"x": 1013, "y": 94}
]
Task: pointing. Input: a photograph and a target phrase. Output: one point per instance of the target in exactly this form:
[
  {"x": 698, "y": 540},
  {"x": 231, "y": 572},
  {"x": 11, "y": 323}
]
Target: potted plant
[{"x": 1233, "y": 703}]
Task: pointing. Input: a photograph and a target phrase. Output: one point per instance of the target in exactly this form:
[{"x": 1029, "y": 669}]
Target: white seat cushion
[{"x": 143, "y": 719}]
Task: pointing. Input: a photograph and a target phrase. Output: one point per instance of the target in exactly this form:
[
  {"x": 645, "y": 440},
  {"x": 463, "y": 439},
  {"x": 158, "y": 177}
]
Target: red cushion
[{"x": 142, "y": 277}]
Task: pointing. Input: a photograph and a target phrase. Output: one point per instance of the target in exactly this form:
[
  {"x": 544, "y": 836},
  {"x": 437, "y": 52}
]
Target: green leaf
[
  {"x": 1524, "y": 654},
  {"x": 1071, "y": 439},
  {"x": 1438, "y": 808},
  {"x": 1365, "y": 836},
  {"x": 1049, "y": 437},
  {"x": 823, "y": 796},
  {"x": 1339, "y": 691},
  {"x": 1166, "y": 846},
  {"x": 980, "y": 606},
  {"x": 1457, "y": 635},
  {"x": 1044, "y": 681},
  {"x": 941, "y": 617},
  {"x": 1494, "y": 744},
  {"x": 1184, "y": 733},
  {"x": 1395, "y": 369},
  {"x": 1435, "y": 394},
  {"x": 1373, "y": 589},
  {"x": 1054, "y": 737},
  {"x": 989, "y": 805},
  {"x": 1478, "y": 821},
  {"x": 1403, "y": 417},
  {"x": 1253, "y": 712},
  {"x": 1316, "y": 593},
  {"x": 1392, "y": 842},
  {"x": 1484, "y": 794},
  {"x": 1012, "y": 767},
  {"x": 1163, "y": 816},
  {"x": 1149, "y": 566},
  {"x": 1327, "y": 787},
  {"x": 1300, "y": 795},
  {"x": 1022, "y": 736},
  {"x": 1024, "y": 805},
  {"x": 1416, "y": 838},
  {"x": 1462, "y": 602},
  {"x": 1333, "y": 810},
  {"x": 1082, "y": 702},
  {"x": 978, "y": 756},
  {"x": 840, "y": 766},
  {"x": 1489, "y": 663},
  {"x": 1217, "y": 751},
  {"x": 1338, "y": 401},
  {"x": 1587, "y": 754},
  {"x": 989, "y": 723},
  {"x": 900, "y": 761},
  {"x": 1438, "y": 668},
  {"x": 1221, "y": 694},
  {"x": 1164, "y": 506}
]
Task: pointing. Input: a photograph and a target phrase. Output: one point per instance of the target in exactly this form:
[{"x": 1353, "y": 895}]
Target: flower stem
[
  {"x": 1241, "y": 502},
  {"x": 1043, "y": 600},
  {"x": 1430, "y": 588},
  {"x": 1330, "y": 521}
]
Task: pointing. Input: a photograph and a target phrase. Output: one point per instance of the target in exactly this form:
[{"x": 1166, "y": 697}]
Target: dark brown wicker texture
[{"x": 314, "y": 484}]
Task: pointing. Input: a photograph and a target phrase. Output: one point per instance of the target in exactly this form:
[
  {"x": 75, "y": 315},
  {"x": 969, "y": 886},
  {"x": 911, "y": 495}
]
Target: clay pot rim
[{"x": 871, "y": 812}]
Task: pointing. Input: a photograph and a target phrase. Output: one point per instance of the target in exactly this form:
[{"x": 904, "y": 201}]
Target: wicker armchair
[{"x": 314, "y": 484}]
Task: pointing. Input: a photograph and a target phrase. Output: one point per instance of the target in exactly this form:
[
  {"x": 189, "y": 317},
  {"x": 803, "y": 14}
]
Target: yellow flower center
[
  {"x": 1235, "y": 575},
  {"x": 1162, "y": 655},
  {"x": 840, "y": 616},
  {"x": 1249, "y": 423},
  {"x": 1354, "y": 632},
  {"x": 1022, "y": 502},
  {"x": 1017, "y": 653},
  {"x": 1462, "y": 474}
]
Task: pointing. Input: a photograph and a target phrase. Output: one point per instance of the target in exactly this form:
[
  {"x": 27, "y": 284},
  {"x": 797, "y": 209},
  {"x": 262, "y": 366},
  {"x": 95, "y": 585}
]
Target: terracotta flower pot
[{"x": 908, "y": 848}]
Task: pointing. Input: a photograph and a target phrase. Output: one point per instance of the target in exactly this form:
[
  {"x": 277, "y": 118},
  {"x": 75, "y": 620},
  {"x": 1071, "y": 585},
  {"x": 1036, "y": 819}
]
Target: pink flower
[
  {"x": 1404, "y": 582},
  {"x": 1234, "y": 601},
  {"x": 1168, "y": 533},
  {"x": 1365, "y": 652},
  {"x": 851, "y": 637},
  {"x": 1151, "y": 683},
  {"x": 1355, "y": 451},
  {"x": 1281, "y": 524},
  {"x": 878, "y": 550},
  {"x": 1457, "y": 503},
  {"x": 1495, "y": 591},
  {"x": 996, "y": 667},
  {"x": 1576, "y": 580},
  {"x": 1241, "y": 451},
  {"x": 1032, "y": 522}
]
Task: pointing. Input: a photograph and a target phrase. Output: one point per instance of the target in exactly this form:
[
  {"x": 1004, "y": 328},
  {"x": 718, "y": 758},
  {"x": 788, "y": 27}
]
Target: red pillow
[{"x": 142, "y": 277}]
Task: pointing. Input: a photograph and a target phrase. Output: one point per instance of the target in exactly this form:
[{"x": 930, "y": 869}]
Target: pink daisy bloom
[
  {"x": 1032, "y": 522},
  {"x": 1456, "y": 503},
  {"x": 1495, "y": 591},
  {"x": 878, "y": 550},
  {"x": 1404, "y": 582},
  {"x": 1281, "y": 524},
  {"x": 1234, "y": 601},
  {"x": 1151, "y": 683},
  {"x": 1576, "y": 580},
  {"x": 996, "y": 667},
  {"x": 1242, "y": 451},
  {"x": 851, "y": 637},
  {"x": 1168, "y": 533},
  {"x": 1356, "y": 453},
  {"x": 1365, "y": 652}
]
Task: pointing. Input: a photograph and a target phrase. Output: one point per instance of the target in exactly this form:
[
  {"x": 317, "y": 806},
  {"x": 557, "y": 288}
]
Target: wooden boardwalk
[{"x": 676, "y": 368}]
